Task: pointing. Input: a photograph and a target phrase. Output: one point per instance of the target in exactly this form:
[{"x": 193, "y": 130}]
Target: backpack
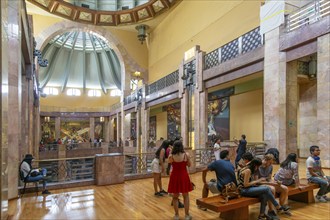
[
  {"x": 275, "y": 153},
  {"x": 230, "y": 191}
]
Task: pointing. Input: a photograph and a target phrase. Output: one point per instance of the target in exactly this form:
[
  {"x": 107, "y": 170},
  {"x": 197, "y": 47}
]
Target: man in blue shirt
[
  {"x": 241, "y": 148},
  {"x": 224, "y": 171}
]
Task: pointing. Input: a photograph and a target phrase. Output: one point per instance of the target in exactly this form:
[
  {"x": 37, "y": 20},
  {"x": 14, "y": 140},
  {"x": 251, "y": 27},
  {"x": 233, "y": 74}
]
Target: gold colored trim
[{"x": 138, "y": 14}]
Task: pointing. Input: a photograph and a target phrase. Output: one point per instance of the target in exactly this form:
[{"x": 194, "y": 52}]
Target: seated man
[
  {"x": 316, "y": 175},
  {"x": 33, "y": 175},
  {"x": 224, "y": 171}
]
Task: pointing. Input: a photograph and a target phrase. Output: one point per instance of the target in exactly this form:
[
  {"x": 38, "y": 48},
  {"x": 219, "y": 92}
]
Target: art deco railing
[
  {"x": 245, "y": 43},
  {"x": 308, "y": 14},
  {"x": 162, "y": 83},
  {"x": 138, "y": 163},
  {"x": 68, "y": 170}
]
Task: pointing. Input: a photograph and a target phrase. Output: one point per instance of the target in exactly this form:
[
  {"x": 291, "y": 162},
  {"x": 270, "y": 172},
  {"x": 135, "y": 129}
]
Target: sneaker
[
  {"x": 326, "y": 198},
  {"x": 273, "y": 215},
  {"x": 188, "y": 217},
  {"x": 285, "y": 208},
  {"x": 181, "y": 205},
  {"x": 264, "y": 217},
  {"x": 158, "y": 194},
  {"x": 46, "y": 192},
  {"x": 320, "y": 198},
  {"x": 163, "y": 192},
  {"x": 202, "y": 208},
  {"x": 176, "y": 217}
]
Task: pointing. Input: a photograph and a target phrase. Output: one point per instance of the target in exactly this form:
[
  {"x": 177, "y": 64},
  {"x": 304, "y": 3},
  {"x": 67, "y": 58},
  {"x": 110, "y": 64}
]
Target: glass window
[
  {"x": 115, "y": 92},
  {"x": 94, "y": 93},
  {"x": 73, "y": 92},
  {"x": 50, "y": 91}
]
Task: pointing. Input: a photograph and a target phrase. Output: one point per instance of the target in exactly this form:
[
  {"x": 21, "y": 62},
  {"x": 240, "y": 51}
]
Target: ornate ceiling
[
  {"x": 106, "y": 12},
  {"x": 80, "y": 60}
]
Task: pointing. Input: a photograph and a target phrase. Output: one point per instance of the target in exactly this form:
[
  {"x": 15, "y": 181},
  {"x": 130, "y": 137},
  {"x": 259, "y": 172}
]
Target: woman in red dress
[{"x": 179, "y": 178}]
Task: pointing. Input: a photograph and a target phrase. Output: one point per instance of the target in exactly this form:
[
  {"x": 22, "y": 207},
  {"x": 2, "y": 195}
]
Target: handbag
[{"x": 230, "y": 191}]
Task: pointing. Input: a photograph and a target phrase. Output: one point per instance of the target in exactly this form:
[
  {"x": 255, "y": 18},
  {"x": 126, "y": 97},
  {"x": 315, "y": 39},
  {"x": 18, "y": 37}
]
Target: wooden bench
[{"x": 239, "y": 208}]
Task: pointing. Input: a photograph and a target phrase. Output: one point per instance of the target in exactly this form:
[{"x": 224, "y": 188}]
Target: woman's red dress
[{"x": 179, "y": 178}]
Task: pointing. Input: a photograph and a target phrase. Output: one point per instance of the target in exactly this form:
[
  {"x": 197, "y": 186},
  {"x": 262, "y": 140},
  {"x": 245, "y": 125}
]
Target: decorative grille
[
  {"x": 162, "y": 83},
  {"x": 229, "y": 51},
  {"x": 251, "y": 40},
  {"x": 212, "y": 59}
]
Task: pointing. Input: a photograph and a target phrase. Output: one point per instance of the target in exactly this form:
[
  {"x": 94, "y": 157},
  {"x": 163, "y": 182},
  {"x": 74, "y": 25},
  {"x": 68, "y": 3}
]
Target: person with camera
[{"x": 33, "y": 175}]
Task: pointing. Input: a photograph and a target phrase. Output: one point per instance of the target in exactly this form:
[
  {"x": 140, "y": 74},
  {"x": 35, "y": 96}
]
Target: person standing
[
  {"x": 158, "y": 167},
  {"x": 241, "y": 149},
  {"x": 316, "y": 175},
  {"x": 217, "y": 149},
  {"x": 179, "y": 178}
]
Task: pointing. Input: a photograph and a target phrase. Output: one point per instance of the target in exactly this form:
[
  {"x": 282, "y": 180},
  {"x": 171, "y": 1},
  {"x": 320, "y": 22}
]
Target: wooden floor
[{"x": 134, "y": 200}]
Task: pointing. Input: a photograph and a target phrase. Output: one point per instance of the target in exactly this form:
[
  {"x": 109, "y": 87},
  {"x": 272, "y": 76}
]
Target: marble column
[
  {"x": 111, "y": 130},
  {"x": 183, "y": 95},
  {"x": 323, "y": 98},
  {"x": 119, "y": 131},
  {"x": 145, "y": 116},
  {"x": 127, "y": 128},
  {"x": 275, "y": 94},
  {"x": 107, "y": 127},
  {"x": 57, "y": 128},
  {"x": 203, "y": 101},
  {"x": 291, "y": 107},
  {"x": 14, "y": 94},
  {"x": 92, "y": 129},
  {"x": 4, "y": 108},
  {"x": 138, "y": 130}
]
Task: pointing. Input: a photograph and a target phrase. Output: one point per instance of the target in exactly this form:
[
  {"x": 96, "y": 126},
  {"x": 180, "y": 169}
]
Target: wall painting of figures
[{"x": 173, "y": 120}]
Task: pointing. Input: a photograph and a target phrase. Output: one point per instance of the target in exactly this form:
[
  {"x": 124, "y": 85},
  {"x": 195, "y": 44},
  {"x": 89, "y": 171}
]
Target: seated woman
[
  {"x": 288, "y": 172},
  {"x": 252, "y": 188},
  {"x": 33, "y": 175},
  {"x": 265, "y": 171}
]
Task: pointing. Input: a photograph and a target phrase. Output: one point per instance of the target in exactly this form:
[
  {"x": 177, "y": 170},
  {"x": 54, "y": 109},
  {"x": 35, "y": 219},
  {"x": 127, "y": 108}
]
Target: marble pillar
[
  {"x": 291, "y": 107},
  {"x": 275, "y": 94},
  {"x": 4, "y": 108},
  {"x": 57, "y": 128},
  {"x": 138, "y": 130},
  {"x": 145, "y": 116},
  {"x": 323, "y": 98},
  {"x": 307, "y": 117},
  {"x": 111, "y": 129},
  {"x": 92, "y": 129},
  {"x": 185, "y": 118},
  {"x": 119, "y": 130},
  {"x": 14, "y": 95},
  {"x": 203, "y": 101},
  {"x": 107, "y": 128}
]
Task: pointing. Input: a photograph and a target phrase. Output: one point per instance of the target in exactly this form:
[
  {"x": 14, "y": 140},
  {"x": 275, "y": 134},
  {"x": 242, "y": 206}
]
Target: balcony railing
[
  {"x": 68, "y": 170},
  {"x": 241, "y": 45},
  {"x": 307, "y": 15},
  {"x": 138, "y": 163},
  {"x": 162, "y": 83}
]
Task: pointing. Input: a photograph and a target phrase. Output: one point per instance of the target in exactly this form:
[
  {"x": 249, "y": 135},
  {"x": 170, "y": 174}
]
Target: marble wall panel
[
  {"x": 307, "y": 117},
  {"x": 4, "y": 110},
  {"x": 323, "y": 98}
]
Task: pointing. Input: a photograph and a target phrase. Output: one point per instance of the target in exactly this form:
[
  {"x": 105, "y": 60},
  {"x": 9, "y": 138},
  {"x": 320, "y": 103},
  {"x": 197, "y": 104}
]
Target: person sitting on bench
[
  {"x": 265, "y": 171},
  {"x": 225, "y": 173},
  {"x": 33, "y": 175},
  {"x": 252, "y": 188},
  {"x": 316, "y": 175}
]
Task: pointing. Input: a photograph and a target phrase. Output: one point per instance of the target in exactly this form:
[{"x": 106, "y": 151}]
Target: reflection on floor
[{"x": 134, "y": 200}]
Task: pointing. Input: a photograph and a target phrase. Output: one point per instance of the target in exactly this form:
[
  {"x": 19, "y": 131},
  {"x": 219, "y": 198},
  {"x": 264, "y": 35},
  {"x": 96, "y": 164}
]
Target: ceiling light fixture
[{"x": 142, "y": 32}]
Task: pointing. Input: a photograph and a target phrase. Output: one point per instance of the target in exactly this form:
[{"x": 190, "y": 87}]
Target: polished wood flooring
[{"x": 134, "y": 200}]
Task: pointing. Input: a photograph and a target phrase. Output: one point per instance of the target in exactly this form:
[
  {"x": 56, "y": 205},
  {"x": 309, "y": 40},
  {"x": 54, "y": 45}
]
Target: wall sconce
[
  {"x": 47, "y": 119},
  {"x": 312, "y": 67},
  {"x": 142, "y": 32},
  {"x": 101, "y": 119}
]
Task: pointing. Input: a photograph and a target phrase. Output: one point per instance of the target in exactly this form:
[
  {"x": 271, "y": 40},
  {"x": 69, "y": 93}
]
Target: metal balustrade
[
  {"x": 308, "y": 14},
  {"x": 138, "y": 163},
  {"x": 162, "y": 83},
  {"x": 68, "y": 170},
  {"x": 245, "y": 43}
]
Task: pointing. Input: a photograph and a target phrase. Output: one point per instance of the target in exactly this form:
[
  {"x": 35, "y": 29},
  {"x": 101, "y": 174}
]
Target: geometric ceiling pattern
[
  {"x": 80, "y": 60},
  {"x": 106, "y": 12}
]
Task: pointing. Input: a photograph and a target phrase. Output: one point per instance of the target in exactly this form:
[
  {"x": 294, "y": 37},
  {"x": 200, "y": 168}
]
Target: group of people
[{"x": 254, "y": 179}]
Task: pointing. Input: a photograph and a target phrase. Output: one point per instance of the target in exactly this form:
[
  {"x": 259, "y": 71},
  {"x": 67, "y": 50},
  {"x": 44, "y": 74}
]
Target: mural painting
[
  {"x": 173, "y": 120},
  {"x": 74, "y": 130},
  {"x": 218, "y": 114}
]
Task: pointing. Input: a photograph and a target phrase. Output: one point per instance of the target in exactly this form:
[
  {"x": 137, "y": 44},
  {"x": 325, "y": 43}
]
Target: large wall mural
[
  {"x": 152, "y": 127},
  {"x": 173, "y": 120},
  {"x": 75, "y": 130},
  {"x": 218, "y": 114}
]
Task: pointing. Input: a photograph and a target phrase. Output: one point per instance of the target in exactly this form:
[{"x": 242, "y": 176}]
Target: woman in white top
[{"x": 217, "y": 149}]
